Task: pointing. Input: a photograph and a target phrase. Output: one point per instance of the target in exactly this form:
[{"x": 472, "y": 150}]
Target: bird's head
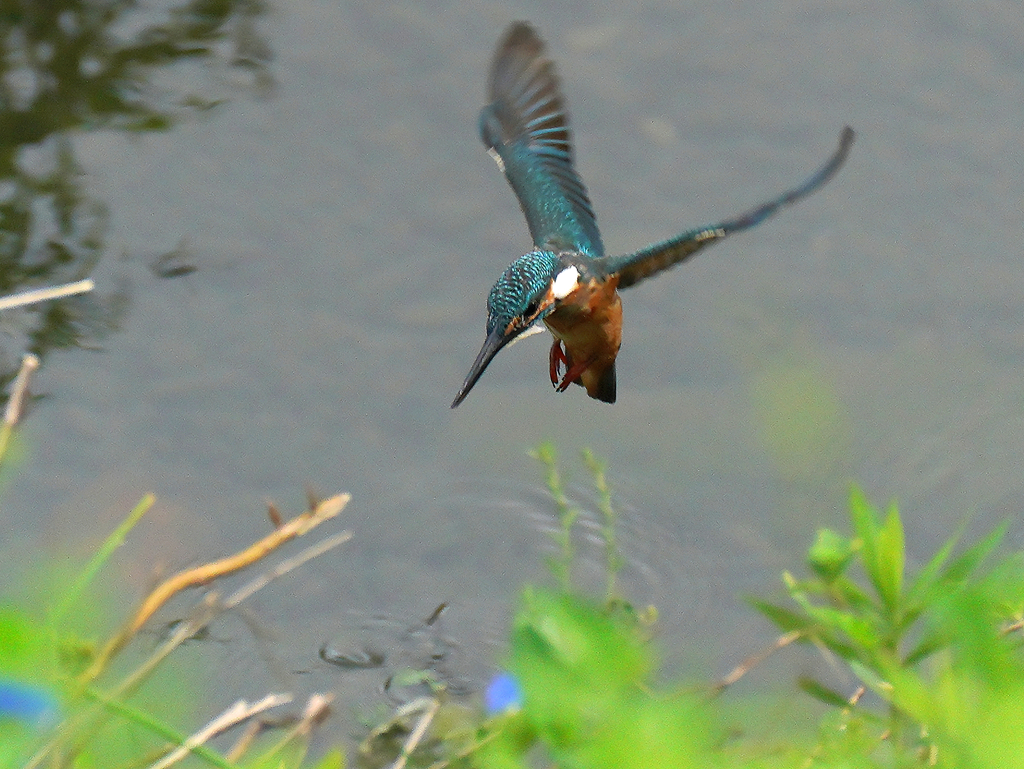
[{"x": 528, "y": 291}]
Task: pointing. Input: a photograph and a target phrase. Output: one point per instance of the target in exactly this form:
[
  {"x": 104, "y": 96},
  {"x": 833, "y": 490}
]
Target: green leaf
[
  {"x": 141, "y": 718},
  {"x": 926, "y": 647},
  {"x": 891, "y": 555},
  {"x": 784, "y": 619},
  {"x": 821, "y": 692},
  {"x": 865, "y": 524},
  {"x": 872, "y": 680},
  {"x": 971, "y": 558},
  {"x": 852, "y": 594},
  {"x": 830, "y": 554},
  {"x": 335, "y": 759},
  {"x": 106, "y": 550},
  {"x": 927, "y": 579},
  {"x": 857, "y": 629}
]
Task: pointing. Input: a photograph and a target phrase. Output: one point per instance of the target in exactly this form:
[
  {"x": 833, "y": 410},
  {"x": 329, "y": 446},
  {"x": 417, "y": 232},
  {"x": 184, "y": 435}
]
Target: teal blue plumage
[
  {"x": 632, "y": 268},
  {"x": 525, "y": 127},
  {"x": 527, "y": 277}
]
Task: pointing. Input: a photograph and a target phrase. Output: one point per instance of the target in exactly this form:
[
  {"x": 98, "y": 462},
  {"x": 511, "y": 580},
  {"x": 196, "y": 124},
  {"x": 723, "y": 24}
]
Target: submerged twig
[{"x": 429, "y": 708}]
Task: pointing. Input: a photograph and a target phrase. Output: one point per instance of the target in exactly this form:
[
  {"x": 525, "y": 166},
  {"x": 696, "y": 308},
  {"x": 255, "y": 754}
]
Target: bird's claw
[{"x": 573, "y": 371}]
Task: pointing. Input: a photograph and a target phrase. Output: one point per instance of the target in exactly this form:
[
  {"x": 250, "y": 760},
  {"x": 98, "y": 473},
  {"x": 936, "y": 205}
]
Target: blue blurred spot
[
  {"x": 25, "y": 702},
  {"x": 503, "y": 694}
]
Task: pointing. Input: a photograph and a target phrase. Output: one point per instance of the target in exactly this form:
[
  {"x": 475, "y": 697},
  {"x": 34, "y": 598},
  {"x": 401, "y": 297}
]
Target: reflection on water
[{"x": 70, "y": 67}]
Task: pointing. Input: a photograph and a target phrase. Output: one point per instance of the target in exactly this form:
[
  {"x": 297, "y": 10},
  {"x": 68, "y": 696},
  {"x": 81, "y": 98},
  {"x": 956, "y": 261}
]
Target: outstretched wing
[
  {"x": 526, "y": 130},
  {"x": 632, "y": 268}
]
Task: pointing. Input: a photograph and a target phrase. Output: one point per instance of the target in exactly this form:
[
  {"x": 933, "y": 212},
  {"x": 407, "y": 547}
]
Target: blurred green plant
[
  {"x": 569, "y": 513},
  {"x": 936, "y": 651},
  {"x": 588, "y": 696},
  {"x": 907, "y": 638},
  {"x": 62, "y": 705},
  {"x": 580, "y": 689}
]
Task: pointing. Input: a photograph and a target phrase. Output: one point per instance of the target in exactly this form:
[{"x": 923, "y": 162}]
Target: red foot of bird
[
  {"x": 556, "y": 358},
  {"x": 573, "y": 371}
]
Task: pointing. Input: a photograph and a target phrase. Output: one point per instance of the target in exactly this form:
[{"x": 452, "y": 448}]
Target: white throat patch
[{"x": 565, "y": 282}]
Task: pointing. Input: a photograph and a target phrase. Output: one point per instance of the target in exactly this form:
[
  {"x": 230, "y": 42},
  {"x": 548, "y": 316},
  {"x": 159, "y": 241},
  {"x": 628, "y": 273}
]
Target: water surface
[{"x": 346, "y": 227}]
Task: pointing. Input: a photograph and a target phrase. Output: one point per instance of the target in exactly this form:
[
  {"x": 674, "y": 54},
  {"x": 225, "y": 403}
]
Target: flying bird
[{"x": 566, "y": 281}]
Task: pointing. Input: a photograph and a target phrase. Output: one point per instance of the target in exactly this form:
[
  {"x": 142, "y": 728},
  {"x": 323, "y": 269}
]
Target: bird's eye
[{"x": 531, "y": 308}]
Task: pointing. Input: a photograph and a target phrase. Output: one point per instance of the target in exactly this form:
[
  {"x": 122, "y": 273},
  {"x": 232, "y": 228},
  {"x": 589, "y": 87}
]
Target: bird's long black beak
[{"x": 494, "y": 342}]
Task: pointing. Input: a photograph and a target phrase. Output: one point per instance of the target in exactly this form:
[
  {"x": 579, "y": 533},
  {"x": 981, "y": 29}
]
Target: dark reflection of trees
[{"x": 70, "y": 66}]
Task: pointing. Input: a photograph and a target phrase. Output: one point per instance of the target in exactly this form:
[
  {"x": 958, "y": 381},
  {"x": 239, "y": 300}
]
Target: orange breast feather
[{"x": 589, "y": 324}]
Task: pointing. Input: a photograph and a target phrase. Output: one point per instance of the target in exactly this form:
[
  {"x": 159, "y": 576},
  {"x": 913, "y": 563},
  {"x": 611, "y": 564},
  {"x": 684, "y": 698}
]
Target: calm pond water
[{"x": 345, "y": 225}]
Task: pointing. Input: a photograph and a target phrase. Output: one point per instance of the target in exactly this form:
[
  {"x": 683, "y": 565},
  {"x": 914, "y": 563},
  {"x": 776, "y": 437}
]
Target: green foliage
[
  {"x": 588, "y": 698},
  {"x": 25, "y": 665},
  {"x": 927, "y": 645},
  {"x": 561, "y": 565},
  {"x": 568, "y": 514},
  {"x": 936, "y": 649},
  {"x": 941, "y": 673},
  {"x": 585, "y": 668},
  {"x": 52, "y": 712}
]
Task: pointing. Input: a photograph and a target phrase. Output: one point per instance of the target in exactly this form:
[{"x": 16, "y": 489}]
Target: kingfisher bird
[{"x": 566, "y": 281}]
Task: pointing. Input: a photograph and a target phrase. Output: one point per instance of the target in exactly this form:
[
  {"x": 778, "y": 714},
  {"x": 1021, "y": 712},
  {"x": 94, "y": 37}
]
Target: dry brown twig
[
  {"x": 201, "y": 616},
  {"x": 201, "y": 575},
  {"x": 754, "y": 660},
  {"x": 205, "y": 573}
]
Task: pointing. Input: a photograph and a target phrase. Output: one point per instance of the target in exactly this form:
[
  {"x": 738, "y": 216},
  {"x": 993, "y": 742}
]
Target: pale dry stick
[
  {"x": 29, "y": 364},
  {"x": 236, "y": 714},
  {"x": 205, "y": 573},
  {"x": 317, "y": 708},
  {"x": 44, "y": 294},
  {"x": 855, "y": 697},
  {"x": 285, "y": 566},
  {"x": 407, "y": 709},
  {"x": 416, "y": 735},
  {"x": 754, "y": 660},
  {"x": 244, "y": 742}
]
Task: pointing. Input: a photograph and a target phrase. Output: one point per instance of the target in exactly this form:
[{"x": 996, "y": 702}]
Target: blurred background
[{"x": 293, "y": 227}]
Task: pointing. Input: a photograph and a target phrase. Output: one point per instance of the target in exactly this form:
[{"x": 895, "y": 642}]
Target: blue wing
[
  {"x": 632, "y": 268},
  {"x": 526, "y": 130}
]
